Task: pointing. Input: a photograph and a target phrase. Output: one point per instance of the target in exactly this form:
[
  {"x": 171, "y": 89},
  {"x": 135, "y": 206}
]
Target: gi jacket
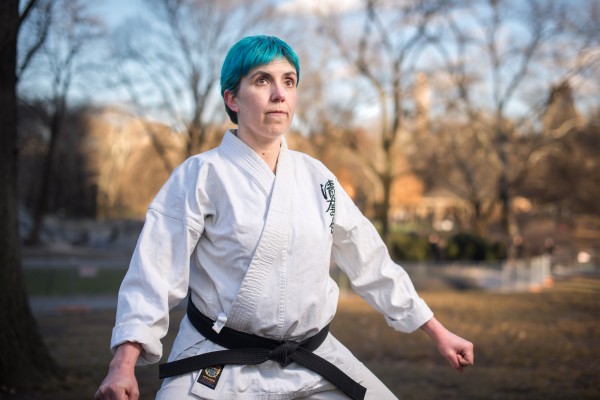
[{"x": 254, "y": 249}]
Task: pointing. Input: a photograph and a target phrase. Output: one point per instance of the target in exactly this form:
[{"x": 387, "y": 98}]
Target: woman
[{"x": 249, "y": 229}]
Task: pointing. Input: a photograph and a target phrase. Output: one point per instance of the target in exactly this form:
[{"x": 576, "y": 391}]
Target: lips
[{"x": 277, "y": 112}]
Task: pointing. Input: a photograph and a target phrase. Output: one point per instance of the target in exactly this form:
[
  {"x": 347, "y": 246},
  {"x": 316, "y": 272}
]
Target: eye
[
  {"x": 290, "y": 82},
  {"x": 261, "y": 80}
]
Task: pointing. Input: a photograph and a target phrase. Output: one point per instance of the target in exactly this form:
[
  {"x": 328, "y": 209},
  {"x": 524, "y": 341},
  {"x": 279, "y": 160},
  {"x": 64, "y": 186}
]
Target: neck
[{"x": 268, "y": 150}]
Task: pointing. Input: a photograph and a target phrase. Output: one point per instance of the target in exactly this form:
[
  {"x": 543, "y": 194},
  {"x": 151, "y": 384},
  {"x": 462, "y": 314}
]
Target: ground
[{"x": 542, "y": 345}]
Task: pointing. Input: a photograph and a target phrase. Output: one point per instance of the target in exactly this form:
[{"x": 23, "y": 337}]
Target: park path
[
  {"x": 85, "y": 260},
  {"x": 49, "y": 305},
  {"x": 81, "y": 259}
]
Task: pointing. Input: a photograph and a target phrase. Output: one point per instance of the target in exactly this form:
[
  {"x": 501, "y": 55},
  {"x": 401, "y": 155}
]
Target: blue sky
[{"x": 115, "y": 11}]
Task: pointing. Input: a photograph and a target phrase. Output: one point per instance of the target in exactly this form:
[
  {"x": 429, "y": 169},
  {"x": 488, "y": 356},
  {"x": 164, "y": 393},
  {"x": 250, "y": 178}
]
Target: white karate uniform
[{"x": 254, "y": 248}]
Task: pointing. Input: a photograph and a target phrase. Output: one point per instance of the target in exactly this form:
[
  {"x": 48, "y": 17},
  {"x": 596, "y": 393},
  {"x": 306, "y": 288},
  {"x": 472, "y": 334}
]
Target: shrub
[
  {"x": 409, "y": 247},
  {"x": 461, "y": 246},
  {"x": 468, "y": 246}
]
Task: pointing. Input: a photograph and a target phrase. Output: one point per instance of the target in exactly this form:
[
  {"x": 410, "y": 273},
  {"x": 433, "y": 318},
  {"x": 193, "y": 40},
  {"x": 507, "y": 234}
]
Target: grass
[
  {"x": 71, "y": 281},
  {"x": 528, "y": 346}
]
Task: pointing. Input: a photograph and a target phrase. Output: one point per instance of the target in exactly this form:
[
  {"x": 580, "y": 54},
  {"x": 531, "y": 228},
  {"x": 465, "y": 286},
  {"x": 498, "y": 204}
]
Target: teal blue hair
[{"x": 249, "y": 53}]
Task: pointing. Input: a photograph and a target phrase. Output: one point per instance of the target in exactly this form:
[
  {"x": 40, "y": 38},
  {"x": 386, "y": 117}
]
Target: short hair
[{"x": 248, "y": 53}]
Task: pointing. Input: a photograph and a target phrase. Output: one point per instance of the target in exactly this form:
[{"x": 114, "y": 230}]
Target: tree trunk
[
  {"x": 504, "y": 195},
  {"x": 25, "y": 360},
  {"x": 386, "y": 181},
  {"x": 41, "y": 205}
]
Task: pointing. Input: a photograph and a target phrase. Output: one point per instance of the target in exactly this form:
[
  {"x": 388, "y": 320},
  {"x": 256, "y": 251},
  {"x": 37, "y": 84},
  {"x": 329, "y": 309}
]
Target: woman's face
[{"x": 266, "y": 100}]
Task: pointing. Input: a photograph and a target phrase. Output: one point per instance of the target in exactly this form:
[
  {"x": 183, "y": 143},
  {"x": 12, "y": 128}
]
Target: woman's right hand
[{"x": 120, "y": 382}]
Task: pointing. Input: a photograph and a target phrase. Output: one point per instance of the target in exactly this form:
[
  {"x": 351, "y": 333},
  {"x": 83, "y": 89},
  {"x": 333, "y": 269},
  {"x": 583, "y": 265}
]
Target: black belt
[{"x": 247, "y": 349}]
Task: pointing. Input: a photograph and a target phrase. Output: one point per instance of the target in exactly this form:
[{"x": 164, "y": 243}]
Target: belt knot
[{"x": 282, "y": 353}]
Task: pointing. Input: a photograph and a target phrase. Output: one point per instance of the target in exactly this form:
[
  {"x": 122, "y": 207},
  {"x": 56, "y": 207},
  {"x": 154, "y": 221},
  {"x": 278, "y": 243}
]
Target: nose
[{"x": 278, "y": 93}]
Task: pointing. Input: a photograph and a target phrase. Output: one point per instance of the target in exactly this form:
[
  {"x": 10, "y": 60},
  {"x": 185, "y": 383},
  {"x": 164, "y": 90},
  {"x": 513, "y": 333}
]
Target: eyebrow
[{"x": 265, "y": 73}]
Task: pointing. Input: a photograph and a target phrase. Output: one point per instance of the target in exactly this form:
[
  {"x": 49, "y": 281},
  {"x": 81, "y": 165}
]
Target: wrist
[
  {"x": 433, "y": 328},
  {"x": 126, "y": 356}
]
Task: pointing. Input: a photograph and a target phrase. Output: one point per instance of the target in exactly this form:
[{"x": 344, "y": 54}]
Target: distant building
[{"x": 561, "y": 115}]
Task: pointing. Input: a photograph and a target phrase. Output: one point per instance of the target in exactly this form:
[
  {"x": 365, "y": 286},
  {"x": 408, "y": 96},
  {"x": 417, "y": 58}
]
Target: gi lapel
[{"x": 271, "y": 247}]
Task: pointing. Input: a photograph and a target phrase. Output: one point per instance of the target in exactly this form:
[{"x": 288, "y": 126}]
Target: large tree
[{"x": 25, "y": 359}]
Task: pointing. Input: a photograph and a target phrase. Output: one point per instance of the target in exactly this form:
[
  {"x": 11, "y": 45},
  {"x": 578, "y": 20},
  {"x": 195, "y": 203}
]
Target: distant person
[
  {"x": 248, "y": 230},
  {"x": 434, "y": 247},
  {"x": 549, "y": 246},
  {"x": 519, "y": 246}
]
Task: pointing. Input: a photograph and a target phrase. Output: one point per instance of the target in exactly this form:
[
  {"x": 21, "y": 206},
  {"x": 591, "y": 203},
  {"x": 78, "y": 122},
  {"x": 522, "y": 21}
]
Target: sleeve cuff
[
  {"x": 138, "y": 333},
  {"x": 413, "y": 320}
]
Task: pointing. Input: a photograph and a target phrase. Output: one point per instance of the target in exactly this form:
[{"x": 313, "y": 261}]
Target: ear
[{"x": 229, "y": 98}]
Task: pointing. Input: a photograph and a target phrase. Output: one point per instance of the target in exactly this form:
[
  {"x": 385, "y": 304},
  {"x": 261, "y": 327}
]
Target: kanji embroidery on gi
[{"x": 328, "y": 192}]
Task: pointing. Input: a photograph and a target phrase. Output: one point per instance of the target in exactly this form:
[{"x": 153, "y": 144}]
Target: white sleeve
[
  {"x": 361, "y": 253},
  {"x": 158, "y": 275}
]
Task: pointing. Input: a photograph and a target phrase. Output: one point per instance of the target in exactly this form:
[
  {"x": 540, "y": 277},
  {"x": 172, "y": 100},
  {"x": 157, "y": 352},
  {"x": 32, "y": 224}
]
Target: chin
[{"x": 276, "y": 132}]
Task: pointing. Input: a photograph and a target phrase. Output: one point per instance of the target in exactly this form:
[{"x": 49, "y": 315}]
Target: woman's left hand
[{"x": 458, "y": 351}]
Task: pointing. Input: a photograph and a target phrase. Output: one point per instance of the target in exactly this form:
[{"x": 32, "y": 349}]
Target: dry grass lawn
[{"x": 528, "y": 346}]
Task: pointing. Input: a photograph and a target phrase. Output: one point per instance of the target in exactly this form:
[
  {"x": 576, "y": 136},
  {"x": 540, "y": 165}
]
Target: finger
[
  {"x": 463, "y": 363},
  {"x": 466, "y": 358},
  {"x": 454, "y": 362},
  {"x": 134, "y": 395},
  {"x": 112, "y": 394},
  {"x": 458, "y": 366},
  {"x": 100, "y": 394}
]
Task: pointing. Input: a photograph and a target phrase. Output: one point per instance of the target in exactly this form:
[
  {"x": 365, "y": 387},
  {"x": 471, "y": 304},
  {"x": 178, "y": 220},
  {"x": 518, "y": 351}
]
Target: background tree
[
  {"x": 170, "y": 61},
  {"x": 70, "y": 191},
  {"x": 59, "y": 62},
  {"x": 384, "y": 54},
  {"x": 328, "y": 123},
  {"x": 567, "y": 173},
  {"x": 498, "y": 69},
  {"x": 362, "y": 109},
  {"x": 25, "y": 360}
]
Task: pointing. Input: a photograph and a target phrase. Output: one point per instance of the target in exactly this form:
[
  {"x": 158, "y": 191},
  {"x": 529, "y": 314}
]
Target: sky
[{"x": 115, "y": 12}]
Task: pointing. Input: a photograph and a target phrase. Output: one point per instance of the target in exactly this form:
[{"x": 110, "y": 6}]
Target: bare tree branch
[
  {"x": 40, "y": 35},
  {"x": 26, "y": 11}
]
